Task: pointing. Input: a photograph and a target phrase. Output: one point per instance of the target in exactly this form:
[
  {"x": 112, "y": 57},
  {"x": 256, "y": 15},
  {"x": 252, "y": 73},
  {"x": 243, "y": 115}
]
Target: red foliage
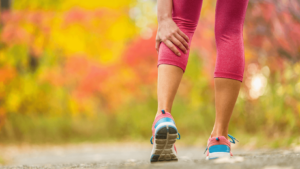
[
  {"x": 86, "y": 76},
  {"x": 7, "y": 73},
  {"x": 141, "y": 57},
  {"x": 77, "y": 15},
  {"x": 274, "y": 22}
]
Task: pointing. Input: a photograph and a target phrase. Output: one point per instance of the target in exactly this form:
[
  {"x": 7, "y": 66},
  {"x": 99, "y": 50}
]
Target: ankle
[
  {"x": 159, "y": 112},
  {"x": 217, "y": 133}
]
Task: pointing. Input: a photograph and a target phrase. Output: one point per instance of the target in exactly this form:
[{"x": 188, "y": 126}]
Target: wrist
[{"x": 161, "y": 18}]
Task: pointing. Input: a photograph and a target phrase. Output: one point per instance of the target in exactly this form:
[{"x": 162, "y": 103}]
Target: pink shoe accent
[
  {"x": 222, "y": 141},
  {"x": 175, "y": 149}
]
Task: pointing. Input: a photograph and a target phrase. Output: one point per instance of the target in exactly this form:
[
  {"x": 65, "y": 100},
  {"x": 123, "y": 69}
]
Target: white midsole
[
  {"x": 164, "y": 124},
  {"x": 217, "y": 154}
]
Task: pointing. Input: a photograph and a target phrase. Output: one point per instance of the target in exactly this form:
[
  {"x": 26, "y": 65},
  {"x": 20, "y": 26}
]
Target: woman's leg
[
  {"x": 171, "y": 66},
  {"x": 169, "y": 77},
  {"x": 185, "y": 15},
  {"x": 230, "y": 15},
  {"x": 226, "y": 92}
]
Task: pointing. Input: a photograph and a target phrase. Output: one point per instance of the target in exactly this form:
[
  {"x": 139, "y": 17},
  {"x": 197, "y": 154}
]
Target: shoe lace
[
  {"x": 151, "y": 139},
  {"x": 230, "y": 136},
  {"x": 233, "y": 139}
]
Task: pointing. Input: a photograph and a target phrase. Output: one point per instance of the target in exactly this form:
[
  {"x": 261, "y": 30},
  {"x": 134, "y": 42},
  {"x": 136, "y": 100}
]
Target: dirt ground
[{"x": 135, "y": 155}]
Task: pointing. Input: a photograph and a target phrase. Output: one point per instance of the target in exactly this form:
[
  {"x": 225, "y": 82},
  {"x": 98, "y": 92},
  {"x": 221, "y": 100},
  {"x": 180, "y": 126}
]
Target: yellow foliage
[
  {"x": 71, "y": 40},
  {"x": 94, "y": 4},
  {"x": 13, "y": 101}
]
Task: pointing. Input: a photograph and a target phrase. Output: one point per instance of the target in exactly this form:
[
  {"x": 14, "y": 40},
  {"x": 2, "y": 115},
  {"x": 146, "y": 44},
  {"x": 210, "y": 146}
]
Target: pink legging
[{"x": 229, "y": 20}]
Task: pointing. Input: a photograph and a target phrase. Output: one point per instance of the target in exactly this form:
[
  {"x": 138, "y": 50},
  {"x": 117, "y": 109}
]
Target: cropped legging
[{"x": 229, "y": 20}]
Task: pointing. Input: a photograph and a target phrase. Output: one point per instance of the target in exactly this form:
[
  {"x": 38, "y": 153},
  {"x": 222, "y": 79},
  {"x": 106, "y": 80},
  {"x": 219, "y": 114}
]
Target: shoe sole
[
  {"x": 217, "y": 155},
  {"x": 163, "y": 146}
]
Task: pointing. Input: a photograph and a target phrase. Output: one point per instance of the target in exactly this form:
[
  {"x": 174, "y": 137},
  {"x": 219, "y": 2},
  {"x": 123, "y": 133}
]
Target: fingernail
[{"x": 179, "y": 54}]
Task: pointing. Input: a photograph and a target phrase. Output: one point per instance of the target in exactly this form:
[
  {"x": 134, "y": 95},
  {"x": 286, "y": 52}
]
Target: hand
[{"x": 169, "y": 33}]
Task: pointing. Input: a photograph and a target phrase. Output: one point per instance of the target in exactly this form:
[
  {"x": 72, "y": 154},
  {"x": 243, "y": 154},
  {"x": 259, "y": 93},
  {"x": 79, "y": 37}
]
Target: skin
[
  {"x": 169, "y": 76},
  {"x": 168, "y": 81},
  {"x": 226, "y": 93}
]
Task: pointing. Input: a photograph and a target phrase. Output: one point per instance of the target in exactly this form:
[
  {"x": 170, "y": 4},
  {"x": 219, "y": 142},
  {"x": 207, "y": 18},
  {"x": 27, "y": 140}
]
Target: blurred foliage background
[{"x": 73, "y": 71}]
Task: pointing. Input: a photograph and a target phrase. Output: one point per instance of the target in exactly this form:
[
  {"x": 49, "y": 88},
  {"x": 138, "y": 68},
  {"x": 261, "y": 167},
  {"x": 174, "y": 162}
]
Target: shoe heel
[
  {"x": 164, "y": 141},
  {"x": 218, "y": 151}
]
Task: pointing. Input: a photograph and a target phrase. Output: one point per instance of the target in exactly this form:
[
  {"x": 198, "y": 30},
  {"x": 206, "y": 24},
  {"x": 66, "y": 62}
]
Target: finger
[
  {"x": 184, "y": 36},
  {"x": 182, "y": 40},
  {"x": 176, "y": 42},
  {"x": 172, "y": 47},
  {"x": 157, "y": 43}
]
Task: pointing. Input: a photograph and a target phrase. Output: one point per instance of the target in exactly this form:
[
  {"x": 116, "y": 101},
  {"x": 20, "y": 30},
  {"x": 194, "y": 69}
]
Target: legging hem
[
  {"x": 171, "y": 62},
  {"x": 228, "y": 76}
]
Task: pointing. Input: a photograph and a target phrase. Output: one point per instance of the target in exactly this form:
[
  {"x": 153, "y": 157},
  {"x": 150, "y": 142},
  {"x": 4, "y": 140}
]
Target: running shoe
[
  {"x": 164, "y": 136},
  {"x": 219, "y": 147}
]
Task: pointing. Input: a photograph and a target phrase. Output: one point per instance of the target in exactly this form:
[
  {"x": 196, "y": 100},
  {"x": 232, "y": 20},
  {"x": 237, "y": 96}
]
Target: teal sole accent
[
  {"x": 219, "y": 148},
  {"x": 154, "y": 158},
  {"x": 166, "y": 119},
  {"x": 213, "y": 158}
]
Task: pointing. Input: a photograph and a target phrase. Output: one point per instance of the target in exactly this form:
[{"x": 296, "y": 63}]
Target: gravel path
[{"x": 137, "y": 156}]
